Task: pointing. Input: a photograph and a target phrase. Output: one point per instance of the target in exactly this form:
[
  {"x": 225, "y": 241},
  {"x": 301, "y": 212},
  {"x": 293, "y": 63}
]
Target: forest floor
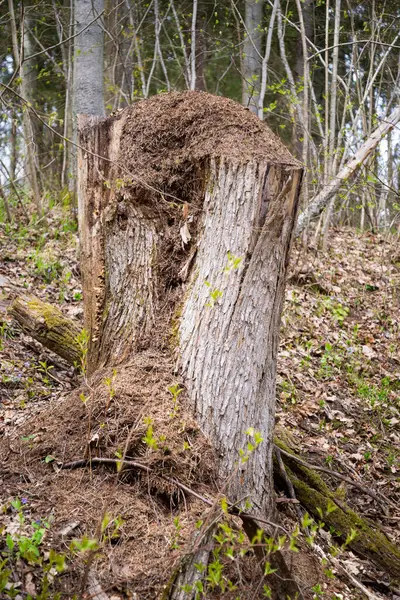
[{"x": 338, "y": 384}]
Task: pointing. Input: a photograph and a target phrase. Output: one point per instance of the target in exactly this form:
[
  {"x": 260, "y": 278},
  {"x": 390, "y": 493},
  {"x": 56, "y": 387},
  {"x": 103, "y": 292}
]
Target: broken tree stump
[
  {"x": 187, "y": 205},
  {"x": 47, "y": 324}
]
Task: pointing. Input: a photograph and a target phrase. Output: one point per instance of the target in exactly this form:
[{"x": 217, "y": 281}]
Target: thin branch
[
  {"x": 352, "y": 44},
  {"x": 63, "y": 41}
]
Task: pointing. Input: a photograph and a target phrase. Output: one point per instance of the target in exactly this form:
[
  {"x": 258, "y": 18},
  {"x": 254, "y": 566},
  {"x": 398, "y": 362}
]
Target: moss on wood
[
  {"x": 47, "y": 324},
  {"x": 314, "y": 494}
]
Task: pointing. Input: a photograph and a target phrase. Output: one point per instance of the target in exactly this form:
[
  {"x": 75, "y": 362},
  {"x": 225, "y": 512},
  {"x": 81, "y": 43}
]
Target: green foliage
[
  {"x": 83, "y": 344},
  {"x": 109, "y": 383},
  {"x": 175, "y": 390},
  {"x": 214, "y": 293},
  {"x": 25, "y": 547},
  {"x": 45, "y": 266},
  {"x": 252, "y": 444}
]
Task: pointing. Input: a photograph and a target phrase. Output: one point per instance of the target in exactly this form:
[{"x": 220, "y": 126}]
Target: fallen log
[
  {"x": 47, "y": 324},
  {"x": 315, "y": 496}
]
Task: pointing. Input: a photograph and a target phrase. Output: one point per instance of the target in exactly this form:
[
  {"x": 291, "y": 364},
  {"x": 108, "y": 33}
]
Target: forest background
[{"x": 324, "y": 74}]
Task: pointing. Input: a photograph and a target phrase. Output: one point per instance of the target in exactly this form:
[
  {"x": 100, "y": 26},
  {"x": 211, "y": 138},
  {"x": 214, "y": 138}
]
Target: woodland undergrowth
[{"x": 338, "y": 400}]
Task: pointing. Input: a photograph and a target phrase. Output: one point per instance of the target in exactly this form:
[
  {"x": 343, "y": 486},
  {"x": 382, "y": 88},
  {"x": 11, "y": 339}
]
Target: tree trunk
[
  {"x": 252, "y": 57},
  {"x": 88, "y": 58},
  {"x": 27, "y": 85},
  {"x": 215, "y": 291},
  {"x": 87, "y": 84}
]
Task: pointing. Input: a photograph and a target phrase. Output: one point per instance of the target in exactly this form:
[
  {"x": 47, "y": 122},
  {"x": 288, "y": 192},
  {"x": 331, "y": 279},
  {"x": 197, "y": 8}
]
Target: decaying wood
[
  {"x": 47, "y": 324},
  {"x": 315, "y": 496}
]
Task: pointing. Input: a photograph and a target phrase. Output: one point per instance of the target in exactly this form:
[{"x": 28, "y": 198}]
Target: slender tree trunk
[
  {"x": 28, "y": 81},
  {"x": 14, "y": 146},
  {"x": 252, "y": 58},
  {"x": 193, "y": 37},
  {"x": 265, "y": 61},
  {"x": 332, "y": 120},
  {"x": 88, "y": 85}
]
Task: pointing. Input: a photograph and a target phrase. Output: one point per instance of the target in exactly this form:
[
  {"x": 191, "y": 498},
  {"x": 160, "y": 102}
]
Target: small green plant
[
  {"x": 252, "y": 444},
  {"x": 337, "y": 310},
  {"x": 109, "y": 383},
  {"x": 288, "y": 392},
  {"x": 82, "y": 340},
  {"x": 215, "y": 294},
  {"x": 149, "y": 439},
  {"x": 45, "y": 369},
  {"x": 64, "y": 281},
  {"x": 175, "y": 390},
  {"x": 25, "y": 548},
  {"x": 331, "y": 360},
  {"x": 176, "y": 535},
  {"x": 45, "y": 266},
  {"x": 233, "y": 262}
]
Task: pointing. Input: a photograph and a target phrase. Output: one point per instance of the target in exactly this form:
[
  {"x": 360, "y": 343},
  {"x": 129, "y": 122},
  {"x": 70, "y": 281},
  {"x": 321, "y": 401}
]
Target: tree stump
[{"x": 187, "y": 205}]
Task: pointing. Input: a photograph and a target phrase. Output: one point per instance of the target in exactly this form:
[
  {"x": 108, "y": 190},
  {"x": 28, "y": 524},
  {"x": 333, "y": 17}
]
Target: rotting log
[
  {"x": 47, "y": 324},
  {"x": 315, "y": 496}
]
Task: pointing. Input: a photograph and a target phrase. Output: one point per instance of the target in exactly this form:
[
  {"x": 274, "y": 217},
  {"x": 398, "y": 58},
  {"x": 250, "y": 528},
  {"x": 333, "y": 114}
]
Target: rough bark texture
[
  {"x": 187, "y": 249},
  {"x": 228, "y": 345},
  {"x": 46, "y": 324}
]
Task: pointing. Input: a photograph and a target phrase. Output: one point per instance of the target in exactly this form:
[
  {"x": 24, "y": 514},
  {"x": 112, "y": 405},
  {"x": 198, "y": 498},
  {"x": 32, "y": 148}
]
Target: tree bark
[
  {"x": 221, "y": 308},
  {"x": 252, "y": 57},
  {"x": 87, "y": 77},
  {"x": 88, "y": 58}
]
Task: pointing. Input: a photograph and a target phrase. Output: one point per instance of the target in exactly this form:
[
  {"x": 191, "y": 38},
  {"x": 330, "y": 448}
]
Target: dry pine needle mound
[{"x": 169, "y": 130}]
